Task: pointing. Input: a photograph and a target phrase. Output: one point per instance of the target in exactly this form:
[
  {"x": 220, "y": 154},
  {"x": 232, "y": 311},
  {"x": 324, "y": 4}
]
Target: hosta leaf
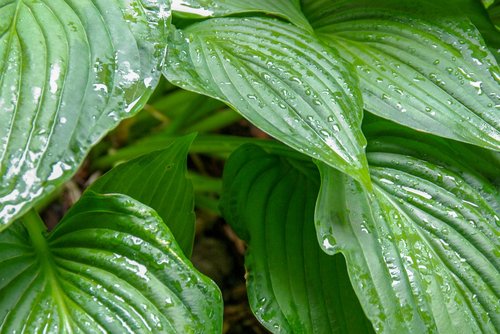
[
  {"x": 423, "y": 249},
  {"x": 281, "y": 79},
  {"x": 287, "y": 9},
  {"x": 159, "y": 180},
  {"x": 416, "y": 67},
  {"x": 293, "y": 286},
  {"x": 479, "y": 17},
  {"x": 111, "y": 266},
  {"x": 69, "y": 72}
]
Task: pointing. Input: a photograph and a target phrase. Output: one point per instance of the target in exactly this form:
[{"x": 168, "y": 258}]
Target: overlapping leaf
[
  {"x": 417, "y": 66},
  {"x": 281, "y": 79},
  {"x": 289, "y": 10},
  {"x": 423, "y": 249},
  {"x": 495, "y": 15},
  {"x": 69, "y": 72},
  {"x": 158, "y": 180},
  {"x": 111, "y": 266},
  {"x": 293, "y": 286},
  {"x": 479, "y": 16},
  {"x": 493, "y": 7}
]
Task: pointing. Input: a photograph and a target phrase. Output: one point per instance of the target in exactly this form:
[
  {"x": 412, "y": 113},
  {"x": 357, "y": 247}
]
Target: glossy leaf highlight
[
  {"x": 69, "y": 72},
  {"x": 111, "y": 266},
  {"x": 423, "y": 249},
  {"x": 293, "y": 286},
  {"x": 158, "y": 180},
  {"x": 289, "y": 10},
  {"x": 281, "y": 79}
]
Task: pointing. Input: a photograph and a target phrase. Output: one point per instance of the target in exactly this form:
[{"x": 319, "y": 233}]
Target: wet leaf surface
[
  {"x": 418, "y": 67},
  {"x": 282, "y": 79},
  {"x": 111, "y": 266},
  {"x": 423, "y": 249},
  {"x": 69, "y": 72}
]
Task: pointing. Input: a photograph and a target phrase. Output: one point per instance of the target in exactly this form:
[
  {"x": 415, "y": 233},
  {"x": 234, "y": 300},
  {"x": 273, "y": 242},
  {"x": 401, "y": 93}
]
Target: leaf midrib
[{"x": 36, "y": 230}]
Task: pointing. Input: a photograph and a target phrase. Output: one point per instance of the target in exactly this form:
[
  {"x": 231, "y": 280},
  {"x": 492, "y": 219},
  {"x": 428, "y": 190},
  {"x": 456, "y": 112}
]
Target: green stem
[
  {"x": 203, "y": 183},
  {"x": 36, "y": 230},
  {"x": 199, "y": 107},
  {"x": 215, "y": 145},
  {"x": 175, "y": 103},
  {"x": 207, "y": 203},
  {"x": 215, "y": 122}
]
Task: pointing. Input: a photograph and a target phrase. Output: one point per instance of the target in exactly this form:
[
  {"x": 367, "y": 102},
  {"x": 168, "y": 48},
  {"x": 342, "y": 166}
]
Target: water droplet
[
  {"x": 296, "y": 79},
  {"x": 477, "y": 61},
  {"x": 477, "y": 86},
  {"x": 329, "y": 244}
]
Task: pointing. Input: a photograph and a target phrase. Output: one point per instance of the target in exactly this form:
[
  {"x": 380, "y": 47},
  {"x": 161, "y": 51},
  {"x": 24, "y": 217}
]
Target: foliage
[{"x": 380, "y": 214}]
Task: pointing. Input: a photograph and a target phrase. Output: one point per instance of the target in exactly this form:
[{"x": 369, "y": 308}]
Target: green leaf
[
  {"x": 287, "y": 9},
  {"x": 158, "y": 180},
  {"x": 494, "y": 12},
  {"x": 417, "y": 66},
  {"x": 281, "y": 79},
  {"x": 110, "y": 266},
  {"x": 293, "y": 286},
  {"x": 69, "y": 72},
  {"x": 423, "y": 249}
]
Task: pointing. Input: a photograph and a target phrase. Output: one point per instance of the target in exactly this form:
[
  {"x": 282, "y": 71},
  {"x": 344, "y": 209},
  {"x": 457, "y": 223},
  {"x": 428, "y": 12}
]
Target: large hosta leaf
[
  {"x": 417, "y": 66},
  {"x": 158, "y": 179},
  {"x": 111, "y": 266},
  {"x": 286, "y": 9},
  {"x": 423, "y": 250},
  {"x": 293, "y": 286},
  {"x": 281, "y": 79},
  {"x": 70, "y": 70}
]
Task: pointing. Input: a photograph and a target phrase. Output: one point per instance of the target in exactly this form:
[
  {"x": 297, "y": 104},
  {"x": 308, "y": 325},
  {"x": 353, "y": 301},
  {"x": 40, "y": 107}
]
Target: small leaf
[
  {"x": 281, "y": 79},
  {"x": 494, "y": 12},
  {"x": 289, "y": 10},
  {"x": 159, "y": 181},
  {"x": 417, "y": 66},
  {"x": 69, "y": 72},
  {"x": 293, "y": 286},
  {"x": 110, "y": 266},
  {"x": 423, "y": 249},
  {"x": 484, "y": 23}
]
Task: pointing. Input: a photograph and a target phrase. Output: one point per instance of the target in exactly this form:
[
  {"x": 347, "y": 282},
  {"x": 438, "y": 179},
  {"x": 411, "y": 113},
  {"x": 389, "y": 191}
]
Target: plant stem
[
  {"x": 216, "y": 121},
  {"x": 203, "y": 183},
  {"x": 36, "y": 229},
  {"x": 207, "y": 203},
  {"x": 215, "y": 145}
]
